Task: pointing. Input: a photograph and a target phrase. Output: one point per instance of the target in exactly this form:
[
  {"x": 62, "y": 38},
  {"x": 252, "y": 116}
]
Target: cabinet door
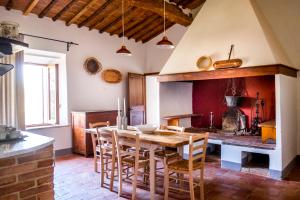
[
  {"x": 78, "y": 126},
  {"x": 136, "y": 98}
]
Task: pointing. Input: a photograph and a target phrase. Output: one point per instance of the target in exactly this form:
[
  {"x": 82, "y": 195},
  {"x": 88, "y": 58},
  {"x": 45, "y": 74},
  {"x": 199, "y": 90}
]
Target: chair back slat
[
  {"x": 197, "y": 149},
  {"x": 99, "y": 124},
  {"x": 106, "y": 141},
  {"x": 128, "y": 140}
]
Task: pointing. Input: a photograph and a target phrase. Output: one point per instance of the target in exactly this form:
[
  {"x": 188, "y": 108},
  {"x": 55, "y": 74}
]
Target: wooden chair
[
  {"x": 95, "y": 142},
  {"x": 107, "y": 154},
  {"x": 196, "y": 161},
  {"x": 167, "y": 155},
  {"x": 131, "y": 159}
]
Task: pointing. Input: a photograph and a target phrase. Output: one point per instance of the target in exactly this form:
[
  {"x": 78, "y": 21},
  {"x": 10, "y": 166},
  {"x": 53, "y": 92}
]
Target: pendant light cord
[
  {"x": 123, "y": 21},
  {"x": 164, "y": 18}
]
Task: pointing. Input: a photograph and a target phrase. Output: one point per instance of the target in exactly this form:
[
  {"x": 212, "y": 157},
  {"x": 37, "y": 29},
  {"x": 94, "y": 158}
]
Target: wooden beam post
[
  {"x": 30, "y": 7},
  {"x": 87, "y": 7},
  {"x": 173, "y": 13},
  {"x": 47, "y": 8},
  {"x": 60, "y": 13}
]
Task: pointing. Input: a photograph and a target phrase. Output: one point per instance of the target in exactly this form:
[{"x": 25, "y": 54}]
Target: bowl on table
[{"x": 146, "y": 128}]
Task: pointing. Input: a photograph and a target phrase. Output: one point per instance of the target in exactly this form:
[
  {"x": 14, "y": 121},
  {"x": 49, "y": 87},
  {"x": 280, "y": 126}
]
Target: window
[{"x": 41, "y": 94}]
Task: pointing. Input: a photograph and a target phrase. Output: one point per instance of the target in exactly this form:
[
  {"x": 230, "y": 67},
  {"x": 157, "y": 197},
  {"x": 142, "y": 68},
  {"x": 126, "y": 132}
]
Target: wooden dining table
[{"x": 154, "y": 140}]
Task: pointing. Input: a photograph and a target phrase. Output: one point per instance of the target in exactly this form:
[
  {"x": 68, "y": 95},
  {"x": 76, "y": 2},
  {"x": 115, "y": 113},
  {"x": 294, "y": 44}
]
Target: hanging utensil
[{"x": 230, "y": 63}]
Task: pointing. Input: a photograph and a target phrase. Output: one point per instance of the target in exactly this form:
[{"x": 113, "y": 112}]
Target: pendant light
[
  {"x": 165, "y": 43},
  {"x": 123, "y": 50}
]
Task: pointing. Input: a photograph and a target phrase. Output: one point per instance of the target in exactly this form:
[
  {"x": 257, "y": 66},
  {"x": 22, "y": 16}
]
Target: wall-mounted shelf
[{"x": 263, "y": 70}]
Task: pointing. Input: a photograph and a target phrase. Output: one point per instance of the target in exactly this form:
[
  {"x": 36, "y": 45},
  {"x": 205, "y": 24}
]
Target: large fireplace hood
[
  {"x": 220, "y": 24},
  {"x": 8, "y": 47}
]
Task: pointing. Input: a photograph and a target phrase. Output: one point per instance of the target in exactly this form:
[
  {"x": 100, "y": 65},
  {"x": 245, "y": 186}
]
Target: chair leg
[
  {"x": 201, "y": 185},
  {"x": 120, "y": 178},
  {"x": 95, "y": 162},
  {"x": 191, "y": 182},
  {"x": 134, "y": 184},
  {"x": 112, "y": 174},
  {"x": 102, "y": 170},
  {"x": 166, "y": 183},
  {"x": 106, "y": 167}
]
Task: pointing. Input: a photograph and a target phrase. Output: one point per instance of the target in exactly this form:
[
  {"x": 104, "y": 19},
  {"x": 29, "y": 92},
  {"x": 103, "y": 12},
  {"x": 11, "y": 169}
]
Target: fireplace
[{"x": 233, "y": 114}]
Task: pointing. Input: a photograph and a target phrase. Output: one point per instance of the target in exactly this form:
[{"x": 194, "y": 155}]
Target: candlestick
[
  {"x": 124, "y": 107},
  {"x": 119, "y": 118},
  {"x": 119, "y": 109}
]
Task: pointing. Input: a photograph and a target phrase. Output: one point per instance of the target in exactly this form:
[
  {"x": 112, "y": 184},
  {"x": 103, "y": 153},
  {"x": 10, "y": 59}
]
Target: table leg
[{"x": 152, "y": 174}]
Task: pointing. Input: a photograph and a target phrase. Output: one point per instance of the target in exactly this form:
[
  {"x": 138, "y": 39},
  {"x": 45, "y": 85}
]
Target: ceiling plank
[
  {"x": 193, "y": 4},
  {"x": 129, "y": 11},
  {"x": 144, "y": 25},
  {"x": 9, "y": 5},
  {"x": 132, "y": 17},
  {"x": 113, "y": 11},
  {"x": 158, "y": 23},
  {"x": 86, "y": 7},
  {"x": 60, "y": 13},
  {"x": 132, "y": 22},
  {"x": 30, "y": 7},
  {"x": 47, "y": 8},
  {"x": 95, "y": 14},
  {"x": 156, "y": 33},
  {"x": 173, "y": 13}
]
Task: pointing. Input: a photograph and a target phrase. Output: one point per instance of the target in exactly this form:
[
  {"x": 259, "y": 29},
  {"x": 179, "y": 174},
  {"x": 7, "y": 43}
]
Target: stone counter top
[{"x": 30, "y": 143}]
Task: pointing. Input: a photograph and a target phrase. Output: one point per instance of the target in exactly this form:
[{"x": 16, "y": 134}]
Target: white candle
[
  {"x": 124, "y": 107},
  {"x": 119, "y": 109}
]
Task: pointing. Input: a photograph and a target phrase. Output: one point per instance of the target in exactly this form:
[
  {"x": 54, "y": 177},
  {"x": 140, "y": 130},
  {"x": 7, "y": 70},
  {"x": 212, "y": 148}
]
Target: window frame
[{"x": 57, "y": 120}]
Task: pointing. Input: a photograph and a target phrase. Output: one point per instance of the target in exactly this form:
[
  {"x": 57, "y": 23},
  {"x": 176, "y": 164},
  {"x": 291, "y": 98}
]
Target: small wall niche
[{"x": 255, "y": 163}]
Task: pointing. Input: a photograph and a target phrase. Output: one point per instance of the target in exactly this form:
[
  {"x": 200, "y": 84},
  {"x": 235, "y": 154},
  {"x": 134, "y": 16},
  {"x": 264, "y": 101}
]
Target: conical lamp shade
[
  {"x": 124, "y": 51},
  {"x": 165, "y": 43}
]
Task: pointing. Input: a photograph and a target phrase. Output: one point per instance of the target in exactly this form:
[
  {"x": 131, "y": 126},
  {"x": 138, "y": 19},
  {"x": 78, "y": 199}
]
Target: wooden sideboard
[{"x": 82, "y": 142}]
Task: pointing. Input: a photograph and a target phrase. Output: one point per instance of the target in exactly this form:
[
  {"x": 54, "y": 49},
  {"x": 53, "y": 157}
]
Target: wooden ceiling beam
[
  {"x": 130, "y": 24},
  {"x": 193, "y": 4},
  {"x": 173, "y": 13},
  {"x": 133, "y": 16},
  {"x": 156, "y": 33},
  {"x": 111, "y": 10},
  {"x": 95, "y": 14},
  {"x": 130, "y": 10},
  {"x": 9, "y": 5},
  {"x": 157, "y": 24},
  {"x": 30, "y": 7},
  {"x": 60, "y": 13},
  {"x": 142, "y": 26},
  {"x": 82, "y": 11},
  {"x": 47, "y": 8}
]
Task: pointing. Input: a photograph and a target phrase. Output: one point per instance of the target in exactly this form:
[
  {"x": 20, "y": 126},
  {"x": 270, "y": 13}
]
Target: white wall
[
  {"x": 85, "y": 92},
  {"x": 286, "y": 117},
  {"x": 176, "y": 99},
  {"x": 152, "y": 100},
  {"x": 157, "y": 57}
]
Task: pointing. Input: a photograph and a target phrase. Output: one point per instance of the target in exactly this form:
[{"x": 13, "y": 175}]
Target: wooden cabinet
[
  {"x": 82, "y": 142},
  {"x": 268, "y": 131}
]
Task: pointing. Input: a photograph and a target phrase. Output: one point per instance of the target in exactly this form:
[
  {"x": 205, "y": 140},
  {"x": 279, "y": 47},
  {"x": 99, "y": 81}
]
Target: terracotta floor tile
[{"x": 75, "y": 179}]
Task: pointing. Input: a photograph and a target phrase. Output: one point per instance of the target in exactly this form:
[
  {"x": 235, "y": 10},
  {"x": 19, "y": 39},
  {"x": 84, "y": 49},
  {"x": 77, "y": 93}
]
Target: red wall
[{"x": 208, "y": 96}]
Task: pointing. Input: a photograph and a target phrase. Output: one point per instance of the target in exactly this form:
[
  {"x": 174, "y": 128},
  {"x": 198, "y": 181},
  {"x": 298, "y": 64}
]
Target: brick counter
[{"x": 28, "y": 176}]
